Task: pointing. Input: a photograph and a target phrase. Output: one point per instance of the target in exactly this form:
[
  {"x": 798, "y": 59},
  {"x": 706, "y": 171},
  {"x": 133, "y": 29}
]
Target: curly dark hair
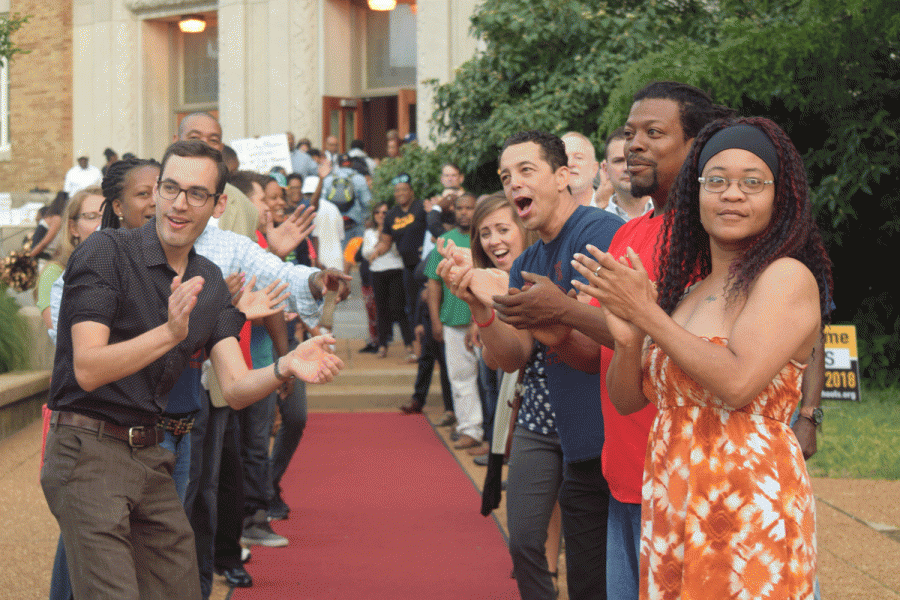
[
  {"x": 114, "y": 183},
  {"x": 792, "y": 231}
]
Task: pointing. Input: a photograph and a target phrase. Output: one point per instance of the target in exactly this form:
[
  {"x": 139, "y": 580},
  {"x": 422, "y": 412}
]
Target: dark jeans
[
  {"x": 584, "y": 500},
  {"x": 390, "y": 305},
  {"x": 255, "y": 430},
  {"x": 411, "y": 288},
  {"x": 207, "y": 508},
  {"x": 230, "y": 521},
  {"x": 432, "y": 351},
  {"x": 293, "y": 423}
]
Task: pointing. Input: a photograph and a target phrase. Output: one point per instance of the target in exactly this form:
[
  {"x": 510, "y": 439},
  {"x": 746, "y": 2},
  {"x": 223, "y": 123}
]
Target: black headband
[{"x": 745, "y": 137}]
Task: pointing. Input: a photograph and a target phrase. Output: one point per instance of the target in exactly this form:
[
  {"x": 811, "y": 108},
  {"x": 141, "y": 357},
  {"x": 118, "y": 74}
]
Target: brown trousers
[{"x": 125, "y": 530}]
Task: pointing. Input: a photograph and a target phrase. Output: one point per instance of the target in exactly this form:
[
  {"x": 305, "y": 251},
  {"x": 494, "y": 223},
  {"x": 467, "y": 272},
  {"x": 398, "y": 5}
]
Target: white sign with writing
[{"x": 262, "y": 153}]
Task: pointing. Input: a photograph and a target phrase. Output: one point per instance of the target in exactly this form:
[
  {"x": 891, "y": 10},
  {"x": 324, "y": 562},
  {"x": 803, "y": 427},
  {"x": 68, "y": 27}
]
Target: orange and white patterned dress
[{"x": 727, "y": 507}]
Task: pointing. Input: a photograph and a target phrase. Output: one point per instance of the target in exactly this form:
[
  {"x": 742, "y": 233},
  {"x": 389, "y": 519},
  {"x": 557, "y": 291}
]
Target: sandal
[
  {"x": 411, "y": 357},
  {"x": 382, "y": 352}
]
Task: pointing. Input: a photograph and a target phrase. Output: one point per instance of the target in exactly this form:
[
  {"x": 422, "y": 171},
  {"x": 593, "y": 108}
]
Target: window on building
[
  {"x": 200, "y": 69},
  {"x": 391, "y": 52}
]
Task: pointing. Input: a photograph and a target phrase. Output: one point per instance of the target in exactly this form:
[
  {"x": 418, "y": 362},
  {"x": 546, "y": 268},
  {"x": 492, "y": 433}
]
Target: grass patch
[{"x": 859, "y": 440}]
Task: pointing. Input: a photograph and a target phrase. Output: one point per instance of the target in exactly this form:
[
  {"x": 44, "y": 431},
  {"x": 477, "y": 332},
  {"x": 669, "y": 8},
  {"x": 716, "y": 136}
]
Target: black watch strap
[{"x": 278, "y": 374}]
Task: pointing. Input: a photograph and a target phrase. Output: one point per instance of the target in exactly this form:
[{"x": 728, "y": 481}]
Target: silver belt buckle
[{"x": 131, "y": 433}]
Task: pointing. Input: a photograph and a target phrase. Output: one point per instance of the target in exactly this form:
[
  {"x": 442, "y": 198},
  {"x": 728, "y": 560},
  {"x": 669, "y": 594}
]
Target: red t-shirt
[{"x": 626, "y": 435}]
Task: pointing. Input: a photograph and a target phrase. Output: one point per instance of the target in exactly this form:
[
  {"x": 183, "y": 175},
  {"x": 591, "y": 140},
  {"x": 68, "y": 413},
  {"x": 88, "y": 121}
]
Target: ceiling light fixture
[
  {"x": 382, "y": 4},
  {"x": 192, "y": 24}
]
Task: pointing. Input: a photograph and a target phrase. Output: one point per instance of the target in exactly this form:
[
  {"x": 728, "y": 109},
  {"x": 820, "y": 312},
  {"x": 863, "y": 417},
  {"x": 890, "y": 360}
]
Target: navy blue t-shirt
[{"x": 574, "y": 394}]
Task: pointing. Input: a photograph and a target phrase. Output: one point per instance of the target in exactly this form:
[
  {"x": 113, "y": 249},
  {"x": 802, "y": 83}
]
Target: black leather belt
[{"x": 137, "y": 437}]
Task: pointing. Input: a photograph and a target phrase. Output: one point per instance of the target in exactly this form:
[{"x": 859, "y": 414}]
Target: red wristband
[{"x": 489, "y": 321}]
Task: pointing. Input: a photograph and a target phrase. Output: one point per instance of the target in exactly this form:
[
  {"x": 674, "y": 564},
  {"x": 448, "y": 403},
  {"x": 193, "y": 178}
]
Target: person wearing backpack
[{"x": 346, "y": 188}]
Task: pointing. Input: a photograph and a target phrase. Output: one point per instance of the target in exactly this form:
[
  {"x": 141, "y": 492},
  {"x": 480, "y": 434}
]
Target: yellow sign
[{"x": 841, "y": 363}]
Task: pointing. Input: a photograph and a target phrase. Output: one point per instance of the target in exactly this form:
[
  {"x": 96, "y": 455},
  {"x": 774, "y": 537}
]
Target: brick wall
[{"x": 40, "y": 99}]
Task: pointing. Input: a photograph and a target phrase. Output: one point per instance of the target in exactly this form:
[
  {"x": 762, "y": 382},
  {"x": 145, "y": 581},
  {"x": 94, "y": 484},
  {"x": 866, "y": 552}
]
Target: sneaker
[
  {"x": 246, "y": 555},
  {"x": 448, "y": 420},
  {"x": 278, "y": 510},
  {"x": 258, "y": 532}
]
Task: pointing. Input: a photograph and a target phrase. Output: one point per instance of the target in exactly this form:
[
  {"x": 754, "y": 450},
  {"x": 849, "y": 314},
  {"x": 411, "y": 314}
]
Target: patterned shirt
[
  {"x": 121, "y": 279},
  {"x": 536, "y": 414}
]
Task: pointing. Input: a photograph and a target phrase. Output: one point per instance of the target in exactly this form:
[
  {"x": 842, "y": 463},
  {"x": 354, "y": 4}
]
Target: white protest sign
[{"x": 262, "y": 153}]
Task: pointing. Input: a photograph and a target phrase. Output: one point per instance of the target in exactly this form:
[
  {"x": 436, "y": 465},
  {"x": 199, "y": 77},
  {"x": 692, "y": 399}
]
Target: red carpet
[{"x": 380, "y": 510}]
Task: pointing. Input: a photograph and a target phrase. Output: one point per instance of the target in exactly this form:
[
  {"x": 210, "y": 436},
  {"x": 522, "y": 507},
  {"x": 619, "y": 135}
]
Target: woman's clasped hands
[{"x": 622, "y": 287}]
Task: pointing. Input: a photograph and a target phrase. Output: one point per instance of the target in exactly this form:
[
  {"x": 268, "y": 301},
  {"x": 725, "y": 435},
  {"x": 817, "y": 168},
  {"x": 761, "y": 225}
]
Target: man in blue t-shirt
[{"x": 535, "y": 177}]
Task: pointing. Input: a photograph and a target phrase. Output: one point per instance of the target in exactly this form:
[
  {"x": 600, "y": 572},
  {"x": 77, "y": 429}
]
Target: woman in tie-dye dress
[{"x": 743, "y": 286}]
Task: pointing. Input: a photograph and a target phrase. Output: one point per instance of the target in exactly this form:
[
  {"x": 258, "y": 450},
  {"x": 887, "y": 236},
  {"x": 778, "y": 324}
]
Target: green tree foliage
[
  {"x": 13, "y": 334},
  {"x": 9, "y": 25},
  {"x": 423, "y": 167},
  {"x": 551, "y": 66},
  {"x": 828, "y": 71}
]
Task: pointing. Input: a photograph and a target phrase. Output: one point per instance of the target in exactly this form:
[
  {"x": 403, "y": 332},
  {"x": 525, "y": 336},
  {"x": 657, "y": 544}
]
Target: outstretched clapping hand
[
  {"x": 262, "y": 303},
  {"x": 181, "y": 303},
  {"x": 312, "y": 361},
  {"x": 295, "y": 229},
  {"x": 621, "y": 286}
]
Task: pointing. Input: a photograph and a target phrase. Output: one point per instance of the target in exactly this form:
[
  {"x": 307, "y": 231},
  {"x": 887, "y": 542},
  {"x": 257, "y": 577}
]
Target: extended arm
[
  {"x": 435, "y": 293},
  {"x": 505, "y": 347},
  {"x": 232, "y": 252},
  {"x": 310, "y": 361}
]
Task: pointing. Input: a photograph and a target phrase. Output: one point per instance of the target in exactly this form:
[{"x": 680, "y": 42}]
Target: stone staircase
[{"x": 370, "y": 383}]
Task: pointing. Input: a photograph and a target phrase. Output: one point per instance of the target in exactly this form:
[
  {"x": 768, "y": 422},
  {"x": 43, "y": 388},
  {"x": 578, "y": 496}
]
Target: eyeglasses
[
  {"x": 196, "y": 197},
  {"x": 89, "y": 216},
  {"x": 748, "y": 185}
]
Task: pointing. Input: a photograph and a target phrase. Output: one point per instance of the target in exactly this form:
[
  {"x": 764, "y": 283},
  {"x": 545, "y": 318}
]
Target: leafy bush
[
  {"x": 423, "y": 167},
  {"x": 13, "y": 334}
]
